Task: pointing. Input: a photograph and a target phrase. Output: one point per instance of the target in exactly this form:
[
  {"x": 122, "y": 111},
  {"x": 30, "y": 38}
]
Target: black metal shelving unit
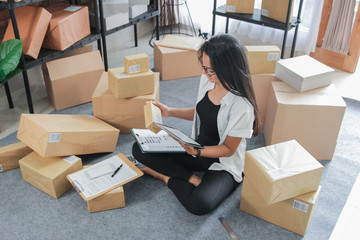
[
  {"x": 45, "y": 54},
  {"x": 257, "y": 18},
  {"x": 153, "y": 11}
]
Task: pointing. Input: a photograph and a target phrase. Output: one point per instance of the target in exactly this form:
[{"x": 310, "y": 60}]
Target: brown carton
[
  {"x": 123, "y": 85},
  {"x": 122, "y": 113},
  {"x": 152, "y": 116},
  {"x": 49, "y": 174},
  {"x": 61, "y": 135},
  {"x": 240, "y": 6},
  {"x": 282, "y": 171},
  {"x": 11, "y": 154},
  {"x": 136, "y": 63},
  {"x": 32, "y": 25},
  {"x": 276, "y": 9},
  {"x": 293, "y": 214},
  {"x": 262, "y": 59},
  {"x": 69, "y": 24},
  {"x": 71, "y": 81},
  {"x": 174, "y": 63},
  {"x": 313, "y": 118}
]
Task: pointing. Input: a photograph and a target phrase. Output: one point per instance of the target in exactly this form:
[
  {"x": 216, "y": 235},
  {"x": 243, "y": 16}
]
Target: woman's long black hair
[{"x": 228, "y": 60}]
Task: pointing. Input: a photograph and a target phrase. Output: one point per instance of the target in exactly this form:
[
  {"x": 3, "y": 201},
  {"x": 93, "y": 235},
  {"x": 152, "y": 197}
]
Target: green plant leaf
[{"x": 10, "y": 54}]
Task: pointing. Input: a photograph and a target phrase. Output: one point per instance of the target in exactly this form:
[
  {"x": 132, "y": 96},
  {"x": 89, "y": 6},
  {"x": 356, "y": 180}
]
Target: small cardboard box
[
  {"x": 240, "y": 6},
  {"x": 11, "y": 154},
  {"x": 262, "y": 59},
  {"x": 110, "y": 200},
  {"x": 138, "y": 63},
  {"x": 71, "y": 81},
  {"x": 122, "y": 113},
  {"x": 123, "y": 85},
  {"x": 69, "y": 24},
  {"x": 293, "y": 214},
  {"x": 61, "y": 135},
  {"x": 174, "y": 63},
  {"x": 261, "y": 84},
  {"x": 49, "y": 174},
  {"x": 313, "y": 118},
  {"x": 277, "y": 9},
  {"x": 137, "y": 9},
  {"x": 152, "y": 116},
  {"x": 282, "y": 171},
  {"x": 304, "y": 73},
  {"x": 32, "y": 25},
  {"x": 181, "y": 42}
]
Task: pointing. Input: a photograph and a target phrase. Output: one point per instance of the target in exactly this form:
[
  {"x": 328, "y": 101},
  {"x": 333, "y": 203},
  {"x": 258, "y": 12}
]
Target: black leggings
[{"x": 214, "y": 188}]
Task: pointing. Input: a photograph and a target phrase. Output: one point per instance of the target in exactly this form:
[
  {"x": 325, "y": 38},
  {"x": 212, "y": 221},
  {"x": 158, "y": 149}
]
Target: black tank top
[{"x": 207, "y": 111}]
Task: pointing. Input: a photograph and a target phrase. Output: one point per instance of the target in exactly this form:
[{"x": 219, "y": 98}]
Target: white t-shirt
[{"x": 235, "y": 118}]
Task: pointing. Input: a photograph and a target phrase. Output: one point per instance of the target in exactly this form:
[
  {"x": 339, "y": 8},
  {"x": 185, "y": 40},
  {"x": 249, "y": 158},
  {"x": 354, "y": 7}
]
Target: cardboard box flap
[
  {"x": 182, "y": 42},
  {"x": 324, "y": 96},
  {"x": 284, "y": 160},
  {"x": 74, "y": 65}
]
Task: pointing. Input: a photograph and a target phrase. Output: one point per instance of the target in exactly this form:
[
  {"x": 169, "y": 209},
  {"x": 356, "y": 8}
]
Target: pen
[{"x": 116, "y": 170}]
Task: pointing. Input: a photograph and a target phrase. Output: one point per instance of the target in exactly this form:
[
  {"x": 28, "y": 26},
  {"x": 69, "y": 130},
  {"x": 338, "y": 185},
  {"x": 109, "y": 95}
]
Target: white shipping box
[
  {"x": 116, "y": 13},
  {"x": 137, "y": 10},
  {"x": 282, "y": 171},
  {"x": 313, "y": 118},
  {"x": 304, "y": 73}
]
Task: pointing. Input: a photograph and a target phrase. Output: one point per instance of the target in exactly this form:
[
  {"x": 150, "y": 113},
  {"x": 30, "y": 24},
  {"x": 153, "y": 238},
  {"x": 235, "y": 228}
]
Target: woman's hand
[
  {"x": 165, "y": 110},
  {"x": 189, "y": 149}
]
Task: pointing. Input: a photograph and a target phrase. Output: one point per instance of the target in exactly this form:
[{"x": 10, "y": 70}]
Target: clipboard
[
  {"x": 180, "y": 136},
  {"x": 83, "y": 183}
]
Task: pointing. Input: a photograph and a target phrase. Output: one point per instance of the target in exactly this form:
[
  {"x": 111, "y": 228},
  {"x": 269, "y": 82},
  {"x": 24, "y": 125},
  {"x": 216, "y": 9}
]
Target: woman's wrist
[{"x": 198, "y": 154}]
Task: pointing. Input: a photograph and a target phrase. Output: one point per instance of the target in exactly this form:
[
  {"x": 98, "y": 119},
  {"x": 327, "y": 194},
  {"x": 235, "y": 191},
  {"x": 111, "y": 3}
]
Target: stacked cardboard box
[
  {"x": 176, "y": 57},
  {"x": 281, "y": 185},
  {"x": 120, "y": 96},
  {"x": 71, "y": 80},
  {"x": 240, "y": 6}
]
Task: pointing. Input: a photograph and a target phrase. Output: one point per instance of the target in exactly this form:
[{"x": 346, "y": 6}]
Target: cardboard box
[
  {"x": 123, "y": 85},
  {"x": 262, "y": 59},
  {"x": 11, "y": 154},
  {"x": 152, "y": 116},
  {"x": 122, "y": 113},
  {"x": 61, "y": 135},
  {"x": 304, "y": 73},
  {"x": 282, "y": 171},
  {"x": 71, "y": 81},
  {"x": 293, "y": 214},
  {"x": 173, "y": 63},
  {"x": 116, "y": 13},
  {"x": 49, "y": 174},
  {"x": 137, "y": 9},
  {"x": 110, "y": 200},
  {"x": 313, "y": 118},
  {"x": 240, "y": 6},
  {"x": 69, "y": 24},
  {"x": 181, "y": 42},
  {"x": 261, "y": 84},
  {"x": 32, "y": 25},
  {"x": 277, "y": 9},
  {"x": 137, "y": 63}
]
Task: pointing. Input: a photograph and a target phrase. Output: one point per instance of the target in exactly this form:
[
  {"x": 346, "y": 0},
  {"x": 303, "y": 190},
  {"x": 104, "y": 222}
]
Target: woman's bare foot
[
  {"x": 194, "y": 180},
  {"x": 155, "y": 174}
]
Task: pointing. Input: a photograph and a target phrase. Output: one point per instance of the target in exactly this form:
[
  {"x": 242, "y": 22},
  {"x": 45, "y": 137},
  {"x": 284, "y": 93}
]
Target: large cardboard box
[
  {"x": 49, "y": 174},
  {"x": 277, "y": 9},
  {"x": 61, "y": 135},
  {"x": 11, "y": 154},
  {"x": 261, "y": 84},
  {"x": 71, "y": 81},
  {"x": 240, "y": 6},
  {"x": 282, "y": 171},
  {"x": 123, "y": 85},
  {"x": 137, "y": 63},
  {"x": 313, "y": 118},
  {"x": 174, "y": 63},
  {"x": 304, "y": 73},
  {"x": 293, "y": 214},
  {"x": 110, "y": 200},
  {"x": 152, "y": 116},
  {"x": 32, "y": 26},
  {"x": 122, "y": 113},
  {"x": 69, "y": 24},
  {"x": 262, "y": 59}
]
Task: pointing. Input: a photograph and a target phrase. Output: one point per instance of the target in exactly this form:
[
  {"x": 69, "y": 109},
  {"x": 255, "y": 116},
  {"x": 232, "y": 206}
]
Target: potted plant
[{"x": 10, "y": 54}]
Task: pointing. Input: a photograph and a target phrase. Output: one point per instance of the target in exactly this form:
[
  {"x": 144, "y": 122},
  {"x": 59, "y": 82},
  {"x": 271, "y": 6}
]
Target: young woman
[{"x": 225, "y": 114}]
